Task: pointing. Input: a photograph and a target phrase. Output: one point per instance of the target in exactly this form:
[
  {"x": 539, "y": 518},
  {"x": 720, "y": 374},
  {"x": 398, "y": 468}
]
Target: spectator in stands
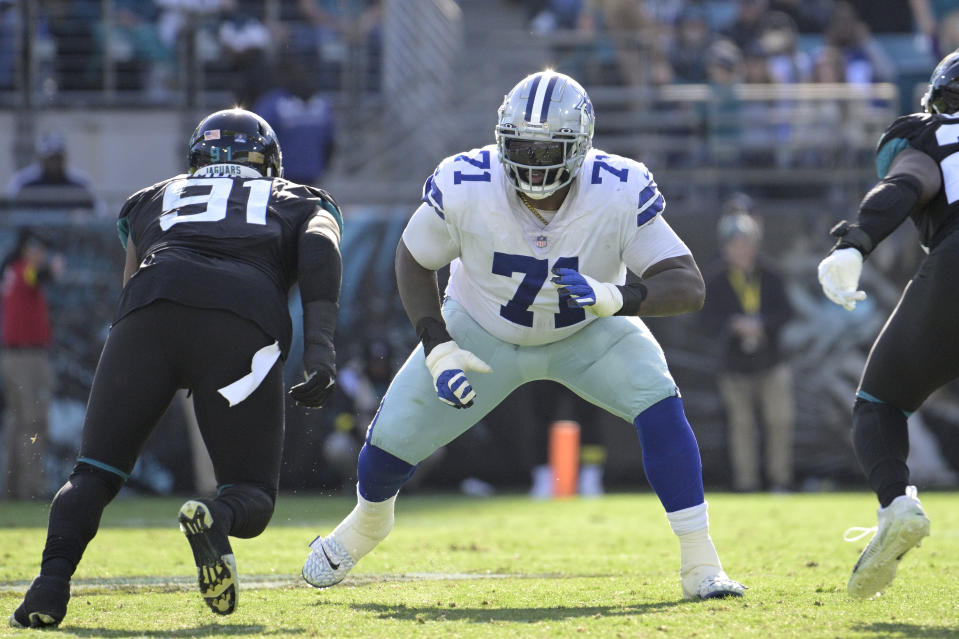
[
  {"x": 245, "y": 42},
  {"x": 779, "y": 41},
  {"x": 819, "y": 134},
  {"x": 50, "y": 182},
  {"x": 180, "y": 17},
  {"x": 692, "y": 39},
  {"x": 365, "y": 36},
  {"x": 337, "y": 27},
  {"x": 864, "y": 59},
  {"x": 627, "y": 30},
  {"x": 745, "y": 29},
  {"x": 547, "y": 16},
  {"x": 303, "y": 121},
  {"x": 756, "y": 66},
  {"x": 810, "y": 16},
  {"x": 72, "y": 24},
  {"x": 25, "y": 366},
  {"x": 724, "y": 68},
  {"x": 747, "y": 308},
  {"x": 936, "y": 21},
  {"x": 132, "y": 42},
  {"x": 829, "y": 66},
  {"x": 578, "y": 50}
]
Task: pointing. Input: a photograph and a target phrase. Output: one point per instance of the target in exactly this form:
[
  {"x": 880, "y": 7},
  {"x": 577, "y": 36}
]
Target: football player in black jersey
[
  {"x": 210, "y": 257},
  {"x": 917, "y": 350}
]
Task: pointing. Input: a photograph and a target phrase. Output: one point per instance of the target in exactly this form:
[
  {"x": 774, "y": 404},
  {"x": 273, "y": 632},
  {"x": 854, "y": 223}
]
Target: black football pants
[
  {"x": 165, "y": 346},
  {"x": 917, "y": 350}
]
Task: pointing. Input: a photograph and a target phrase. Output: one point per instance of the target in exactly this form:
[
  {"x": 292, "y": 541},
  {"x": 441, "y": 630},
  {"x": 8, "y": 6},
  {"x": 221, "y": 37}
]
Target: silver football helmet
[{"x": 544, "y": 130}]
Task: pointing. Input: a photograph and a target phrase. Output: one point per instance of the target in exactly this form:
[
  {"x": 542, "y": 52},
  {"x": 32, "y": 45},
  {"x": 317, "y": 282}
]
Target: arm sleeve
[
  {"x": 320, "y": 273},
  {"x": 428, "y": 238},
  {"x": 913, "y": 178},
  {"x": 650, "y": 243}
]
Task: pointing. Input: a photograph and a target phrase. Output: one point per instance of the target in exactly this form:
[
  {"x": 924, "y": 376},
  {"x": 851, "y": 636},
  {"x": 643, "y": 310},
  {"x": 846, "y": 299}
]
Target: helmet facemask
[{"x": 538, "y": 167}]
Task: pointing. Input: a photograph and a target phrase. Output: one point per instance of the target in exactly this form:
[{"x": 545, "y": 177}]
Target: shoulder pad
[
  {"x": 629, "y": 178},
  {"x": 327, "y": 202},
  {"x": 474, "y": 167},
  {"x": 898, "y": 137},
  {"x": 123, "y": 220},
  {"x": 905, "y": 127},
  {"x": 134, "y": 199},
  {"x": 309, "y": 192}
]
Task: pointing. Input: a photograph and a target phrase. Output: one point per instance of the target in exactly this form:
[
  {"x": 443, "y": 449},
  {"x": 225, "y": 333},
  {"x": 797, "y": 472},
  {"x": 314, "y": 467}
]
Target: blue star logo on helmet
[{"x": 585, "y": 104}]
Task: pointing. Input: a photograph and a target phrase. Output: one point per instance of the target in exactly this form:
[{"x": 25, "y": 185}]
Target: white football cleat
[
  {"x": 902, "y": 525},
  {"x": 706, "y": 583},
  {"x": 328, "y": 563}
]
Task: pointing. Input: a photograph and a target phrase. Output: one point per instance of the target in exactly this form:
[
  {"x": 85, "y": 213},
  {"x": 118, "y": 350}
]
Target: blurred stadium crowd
[{"x": 774, "y": 103}]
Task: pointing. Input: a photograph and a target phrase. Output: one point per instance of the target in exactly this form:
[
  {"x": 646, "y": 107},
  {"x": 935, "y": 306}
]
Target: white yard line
[{"x": 255, "y": 582}]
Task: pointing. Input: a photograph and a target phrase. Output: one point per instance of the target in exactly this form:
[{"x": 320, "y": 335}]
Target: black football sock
[
  {"x": 75, "y": 517},
  {"x": 880, "y": 437}
]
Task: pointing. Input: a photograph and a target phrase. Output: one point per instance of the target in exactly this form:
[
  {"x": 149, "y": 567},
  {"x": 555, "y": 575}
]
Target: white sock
[
  {"x": 367, "y": 525},
  {"x": 696, "y": 548}
]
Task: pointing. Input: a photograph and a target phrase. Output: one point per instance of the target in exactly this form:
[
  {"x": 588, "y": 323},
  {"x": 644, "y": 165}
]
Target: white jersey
[{"x": 501, "y": 256}]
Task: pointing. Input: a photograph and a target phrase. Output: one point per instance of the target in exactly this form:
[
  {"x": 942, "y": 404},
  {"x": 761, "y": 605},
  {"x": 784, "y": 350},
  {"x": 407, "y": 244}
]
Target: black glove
[{"x": 314, "y": 391}]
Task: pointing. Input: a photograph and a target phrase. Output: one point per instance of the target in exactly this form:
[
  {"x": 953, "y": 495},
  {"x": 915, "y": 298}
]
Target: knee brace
[{"x": 250, "y": 509}]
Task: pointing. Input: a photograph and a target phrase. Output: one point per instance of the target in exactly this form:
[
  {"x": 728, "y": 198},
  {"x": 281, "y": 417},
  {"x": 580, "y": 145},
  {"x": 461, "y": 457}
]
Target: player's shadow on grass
[
  {"x": 906, "y": 630},
  {"x": 206, "y": 630},
  {"x": 484, "y": 614}
]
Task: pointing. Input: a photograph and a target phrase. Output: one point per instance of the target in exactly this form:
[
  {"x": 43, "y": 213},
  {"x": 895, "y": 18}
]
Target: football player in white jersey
[{"x": 539, "y": 230}]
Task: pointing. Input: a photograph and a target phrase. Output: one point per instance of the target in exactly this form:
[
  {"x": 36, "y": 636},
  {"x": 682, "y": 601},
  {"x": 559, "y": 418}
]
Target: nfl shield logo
[
  {"x": 240, "y": 138},
  {"x": 540, "y": 241}
]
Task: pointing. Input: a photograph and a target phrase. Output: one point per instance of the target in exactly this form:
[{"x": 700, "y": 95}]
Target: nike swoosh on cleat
[{"x": 333, "y": 565}]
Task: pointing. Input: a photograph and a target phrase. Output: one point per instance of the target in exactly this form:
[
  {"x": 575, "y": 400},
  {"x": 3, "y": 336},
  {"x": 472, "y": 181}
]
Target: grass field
[{"x": 456, "y": 566}]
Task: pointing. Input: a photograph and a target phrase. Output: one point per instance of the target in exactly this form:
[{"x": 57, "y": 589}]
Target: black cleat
[
  {"x": 44, "y": 605},
  {"x": 215, "y": 563}
]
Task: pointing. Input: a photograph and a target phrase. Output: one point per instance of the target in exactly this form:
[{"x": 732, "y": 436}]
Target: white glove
[
  {"x": 839, "y": 276},
  {"x": 599, "y": 298},
  {"x": 448, "y": 364}
]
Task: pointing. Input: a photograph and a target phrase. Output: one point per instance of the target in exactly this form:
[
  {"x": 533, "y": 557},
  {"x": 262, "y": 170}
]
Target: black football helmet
[
  {"x": 236, "y": 136},
  {"x": 942, "y": 96}
]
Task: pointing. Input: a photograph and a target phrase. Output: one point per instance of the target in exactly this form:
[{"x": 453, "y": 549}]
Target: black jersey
[
  {"x": 220, "y": 242},
  {"x": 936, "y": 135}
]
